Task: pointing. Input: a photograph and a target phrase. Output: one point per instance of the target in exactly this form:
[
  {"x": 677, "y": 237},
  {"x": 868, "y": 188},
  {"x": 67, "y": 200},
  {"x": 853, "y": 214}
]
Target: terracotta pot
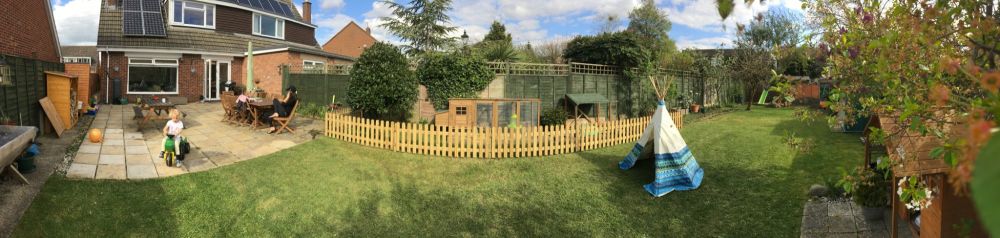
[
  {"x": 824, "y": 104},
  {"x": 695, "y": 108}
]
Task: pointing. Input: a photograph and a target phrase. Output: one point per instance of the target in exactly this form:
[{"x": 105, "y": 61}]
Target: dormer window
[
  {"x": 264, "y": 25},
  {"x": 187, "y": 13}
]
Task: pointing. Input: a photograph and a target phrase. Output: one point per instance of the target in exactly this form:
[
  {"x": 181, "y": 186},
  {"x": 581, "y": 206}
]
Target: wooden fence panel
[{"x": 476, "y": 142}]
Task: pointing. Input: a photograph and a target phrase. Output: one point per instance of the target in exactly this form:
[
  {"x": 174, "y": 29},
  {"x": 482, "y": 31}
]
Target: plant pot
[
  {"x": 695, "y": 108},
  {"x": 872, "y": 213},
  {"x": 26, "y": 165}
]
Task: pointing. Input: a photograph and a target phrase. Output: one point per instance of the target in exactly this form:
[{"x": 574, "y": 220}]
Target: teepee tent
[{"x": 676, "y": 168}]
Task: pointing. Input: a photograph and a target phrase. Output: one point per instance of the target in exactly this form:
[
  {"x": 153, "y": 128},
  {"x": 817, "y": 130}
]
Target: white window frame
[
  {"x": 313, "y": 63},
  {"x": 154, "y": 62},
  {"x": 207, "y": 8},
  {"x": 279, "y": 26},
  {"x": 77, "y": 60}
]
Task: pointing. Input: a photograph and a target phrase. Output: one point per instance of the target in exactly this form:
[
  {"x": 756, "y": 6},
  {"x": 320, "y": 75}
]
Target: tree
[
  {"x": 551, "y": 52},
  {"x": 382, "y": 85},
  {"x": 497, "y": 51},
  {"x": 453, "y": 75},
  {"x": 609, "y": 24},
  {"x": 932, "y": 63},
  {"x": 423, "y": 24},
  {"x": 651, "y": 26},
  {"x": 624, "y": 50},
  {"x": 753, "y": 59},
  {"x": 498, "y": 32}
]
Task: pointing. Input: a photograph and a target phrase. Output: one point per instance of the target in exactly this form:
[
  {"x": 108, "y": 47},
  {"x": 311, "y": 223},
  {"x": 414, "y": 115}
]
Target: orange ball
[{"x": 95, "y": 135}]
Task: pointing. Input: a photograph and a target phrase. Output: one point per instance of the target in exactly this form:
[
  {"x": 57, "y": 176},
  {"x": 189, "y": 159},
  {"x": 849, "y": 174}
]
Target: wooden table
[
  {"x": 257, "y": 108},
  {"x": 157, "y": 111}
]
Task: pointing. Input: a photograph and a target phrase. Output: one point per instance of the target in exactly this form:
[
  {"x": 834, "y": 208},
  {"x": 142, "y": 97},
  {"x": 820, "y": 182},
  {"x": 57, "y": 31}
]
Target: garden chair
[
  {"x": 284, "y": 121},
  {"x": 227, "y": 106}
]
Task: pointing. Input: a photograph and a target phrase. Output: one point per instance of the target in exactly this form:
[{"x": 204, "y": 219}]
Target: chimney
[
  {"x": 368, "y": 29},
  {"x": 307, "y": 11}
]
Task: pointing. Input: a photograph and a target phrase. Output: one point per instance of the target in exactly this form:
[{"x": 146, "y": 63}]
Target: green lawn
[{"x": 755, "y": 186}]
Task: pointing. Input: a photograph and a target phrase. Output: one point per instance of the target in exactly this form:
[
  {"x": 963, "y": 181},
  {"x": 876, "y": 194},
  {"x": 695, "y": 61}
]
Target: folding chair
[{"x": 284, "y": 121}]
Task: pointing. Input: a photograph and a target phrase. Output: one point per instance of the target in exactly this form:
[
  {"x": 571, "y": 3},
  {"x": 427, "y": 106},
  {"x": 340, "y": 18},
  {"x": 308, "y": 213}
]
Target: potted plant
[
  {"x": 695, "y": 108},
  {"x": 868, "y": 189},
  {"x": 683, "y": 103},
  {"x": 7, "y": 121}
]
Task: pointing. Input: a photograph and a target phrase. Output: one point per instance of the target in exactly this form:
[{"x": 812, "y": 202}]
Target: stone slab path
[
  {"x": 842, "y": 218},
  {"x": 130, "y": 153}
]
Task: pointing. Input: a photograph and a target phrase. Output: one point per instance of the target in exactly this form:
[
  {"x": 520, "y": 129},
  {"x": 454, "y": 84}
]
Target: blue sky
[{"x": 696, "y": 24}]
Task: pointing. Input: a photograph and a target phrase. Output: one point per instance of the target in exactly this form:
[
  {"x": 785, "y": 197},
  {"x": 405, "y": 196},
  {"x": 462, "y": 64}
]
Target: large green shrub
[
  {"x": 626, "y": 51},
  {"x": 453, "y": 75},
  {"x": 554, "y": 116},
  {"x": 382, "y": 85}
]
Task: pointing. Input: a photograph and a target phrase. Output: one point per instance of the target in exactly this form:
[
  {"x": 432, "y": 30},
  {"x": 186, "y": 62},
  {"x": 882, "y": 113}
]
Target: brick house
[
  {"x": 350, "y": 41},
  {"x": 28, "y": 30},
  {"x": 192, "y": 48}
]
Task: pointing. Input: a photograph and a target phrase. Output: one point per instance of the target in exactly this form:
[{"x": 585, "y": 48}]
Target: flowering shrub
[{"x": 914, "y": 193}]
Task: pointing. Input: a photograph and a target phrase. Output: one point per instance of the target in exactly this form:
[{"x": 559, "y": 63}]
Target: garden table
[
  {"x": 157, "y": 111},
  {"x": 257, "y": 110}
]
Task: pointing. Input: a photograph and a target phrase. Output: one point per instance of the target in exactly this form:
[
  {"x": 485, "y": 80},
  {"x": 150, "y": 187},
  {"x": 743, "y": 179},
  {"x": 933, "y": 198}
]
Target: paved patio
[
  {"x": 128, "y": 153},
  {"x": 842, "y": 218}
]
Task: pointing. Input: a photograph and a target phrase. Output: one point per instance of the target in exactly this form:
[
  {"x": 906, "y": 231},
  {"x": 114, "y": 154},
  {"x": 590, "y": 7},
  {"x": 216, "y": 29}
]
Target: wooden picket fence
[{"x": 477, "y": 142}]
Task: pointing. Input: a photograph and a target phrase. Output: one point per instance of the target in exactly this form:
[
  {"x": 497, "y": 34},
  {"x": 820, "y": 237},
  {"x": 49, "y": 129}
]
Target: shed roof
[{"x": 587, "y": 98}]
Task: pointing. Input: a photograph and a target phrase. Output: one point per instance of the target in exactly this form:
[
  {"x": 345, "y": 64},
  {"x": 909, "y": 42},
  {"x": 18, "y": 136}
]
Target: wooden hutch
[
  {"x": 475, "y": 112},
  {"x": 948, "y": 212}
]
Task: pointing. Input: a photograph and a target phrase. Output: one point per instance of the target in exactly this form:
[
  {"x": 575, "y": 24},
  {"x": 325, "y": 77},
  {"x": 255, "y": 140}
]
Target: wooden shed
[
  {"x": 62, "y": 91},
  {"x": 911, "y": 151},
  {"x": 469, "y": 112}
]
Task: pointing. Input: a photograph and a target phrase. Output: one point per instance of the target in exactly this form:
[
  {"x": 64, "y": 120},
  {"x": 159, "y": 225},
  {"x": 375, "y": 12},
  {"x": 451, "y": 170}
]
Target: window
[
  {"x": 269, "y": 26},
  {"x": 461, "y": 110},
  {"x": 484, "y": 114},
  {"x": 152, "y": 76},
  {"x": 76, "y": 60},
  {"x": 194, "y": 14}
]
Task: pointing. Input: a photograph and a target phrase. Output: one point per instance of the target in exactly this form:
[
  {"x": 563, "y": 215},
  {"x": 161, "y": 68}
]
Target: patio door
[{"x": 216, "y": 74}]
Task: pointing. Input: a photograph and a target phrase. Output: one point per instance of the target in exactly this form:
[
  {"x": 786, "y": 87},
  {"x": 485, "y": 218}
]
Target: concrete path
[
  {"x": 130, "y": 153},
  {"x": 842, "y": 218}
]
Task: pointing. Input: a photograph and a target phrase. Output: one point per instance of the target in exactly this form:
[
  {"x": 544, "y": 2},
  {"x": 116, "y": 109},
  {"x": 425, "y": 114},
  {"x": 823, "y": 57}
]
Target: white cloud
[
  {"x": 373, "y": 20},
  {"x": 703, "y": 15},
  {"x": 704, "y": 43},
  {"x": 328, "y": 4},
  {"x": 76, "y": 21}
]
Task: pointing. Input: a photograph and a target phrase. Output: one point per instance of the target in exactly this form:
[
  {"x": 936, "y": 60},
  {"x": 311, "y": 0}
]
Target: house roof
[
  {"x": 350, "y": 25},
  {"x": 312, "y": 51},
  {"x": 181, "y": 39},
  {"x": 79, "y": 51}
]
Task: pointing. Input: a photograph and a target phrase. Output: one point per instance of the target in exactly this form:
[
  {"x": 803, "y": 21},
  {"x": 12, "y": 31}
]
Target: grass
[{"x": 755, "y": 186}]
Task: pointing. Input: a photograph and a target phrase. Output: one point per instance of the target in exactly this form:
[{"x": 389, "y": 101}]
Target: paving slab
[
  {"x": 113, "y": 150},
  {"x": 133, "y": 136},
  {"x": 115, "y": 142},
  {"x": 81, "y": 171},
  {"x": 84, "y": 158},
  {"x": 135, "y": 142},
  {"x": 111, "y": 172},
  {"x": 89, "y": 149},
  {"x": 163, "y": 170},
  {"x": 136, "y": 150},
  {"x": 197, "y": 165},
  {"x": 144, "y": 159},
  {"x": 141, "y": 171},
  {"x": 112, "y": 159}
]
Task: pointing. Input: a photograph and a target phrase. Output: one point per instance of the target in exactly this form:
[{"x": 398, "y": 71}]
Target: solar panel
[
  {"x": 131, "y": 5},
  {"x": 256, "y": 4},
  {"x": 132, "y": 23},
  {"x": 153, "y": 24},
  {"x": 286, "y": 10},
  {"x": 150, "y": 5},
  {"x": 142, "y": 18},
  {"x": 269, "y": 6}
]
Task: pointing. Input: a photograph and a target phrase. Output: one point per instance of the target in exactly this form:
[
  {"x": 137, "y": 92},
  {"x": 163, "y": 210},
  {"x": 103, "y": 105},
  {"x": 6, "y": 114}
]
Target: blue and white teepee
[{"x": 676, "y": 168}]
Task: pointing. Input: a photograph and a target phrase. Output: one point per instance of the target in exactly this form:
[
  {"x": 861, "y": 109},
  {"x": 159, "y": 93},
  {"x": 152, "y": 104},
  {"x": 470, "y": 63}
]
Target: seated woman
[{"x": 284, "y": 106}]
